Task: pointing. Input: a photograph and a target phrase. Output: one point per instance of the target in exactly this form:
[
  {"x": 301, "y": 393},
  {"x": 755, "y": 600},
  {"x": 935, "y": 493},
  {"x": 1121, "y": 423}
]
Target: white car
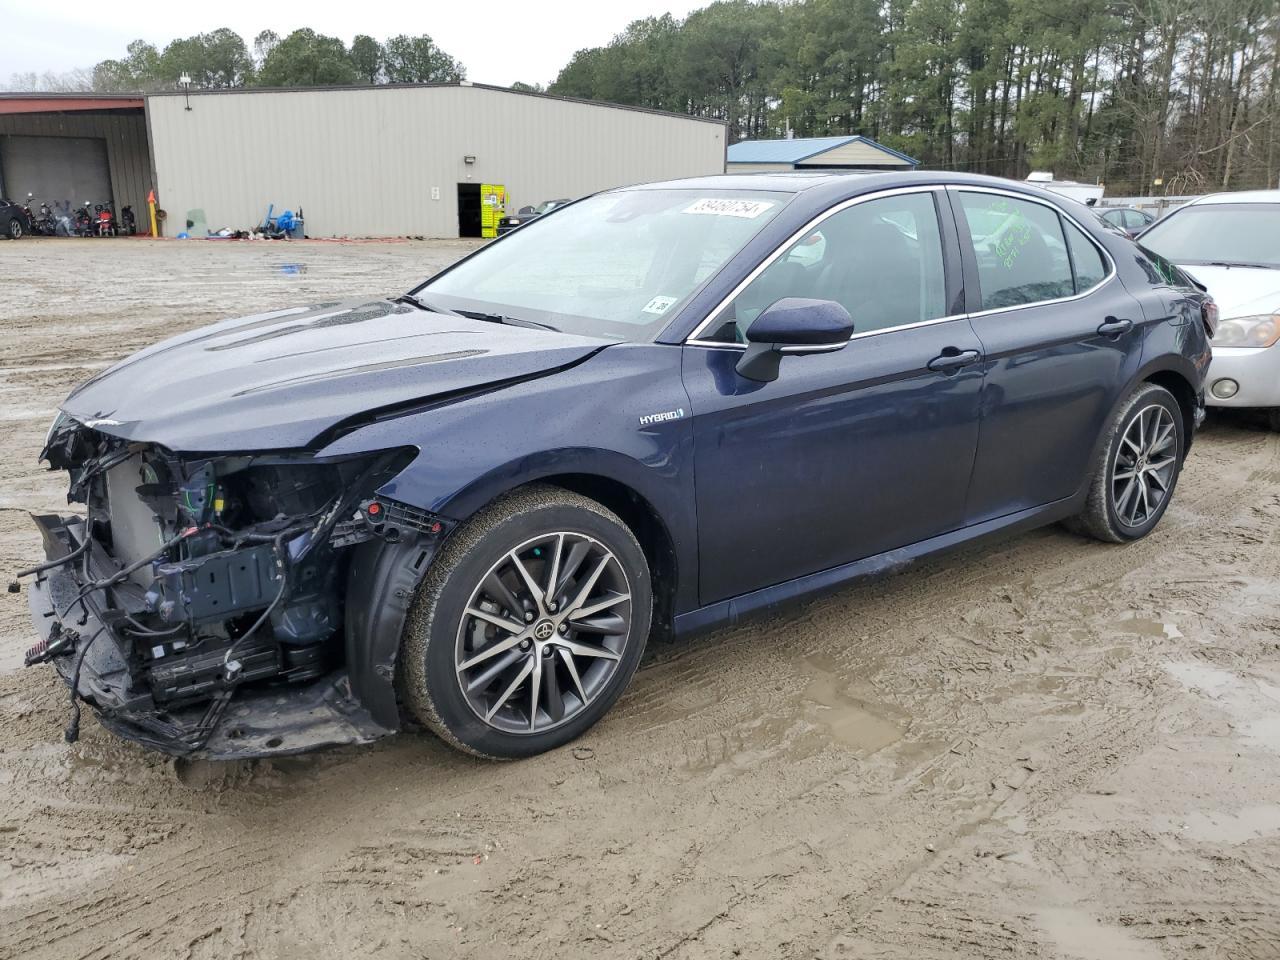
[{"x": 1230, "y": 242}]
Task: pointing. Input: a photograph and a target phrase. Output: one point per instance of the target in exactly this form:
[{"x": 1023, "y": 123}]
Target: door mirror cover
[
  {"x": 800, "y": 322},
  {"x": 797, "y": 324}
]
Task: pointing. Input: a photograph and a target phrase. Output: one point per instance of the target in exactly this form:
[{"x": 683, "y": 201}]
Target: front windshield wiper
[
  {"x": 500, "y": 318},
  {"x": 1239, "y": 263},
  {"x": 423, "y": 305}
]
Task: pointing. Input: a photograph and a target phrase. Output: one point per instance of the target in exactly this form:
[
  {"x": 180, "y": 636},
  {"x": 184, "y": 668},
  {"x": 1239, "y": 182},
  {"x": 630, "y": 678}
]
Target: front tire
[
  {"x": 528, "y": 626},
  {"x": 1137, "y": 469},
  {"x": 14, "y": 230}
]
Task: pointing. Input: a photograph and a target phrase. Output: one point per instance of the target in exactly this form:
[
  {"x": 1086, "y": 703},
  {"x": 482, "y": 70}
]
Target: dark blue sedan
[{"x": 661, "y": 410}]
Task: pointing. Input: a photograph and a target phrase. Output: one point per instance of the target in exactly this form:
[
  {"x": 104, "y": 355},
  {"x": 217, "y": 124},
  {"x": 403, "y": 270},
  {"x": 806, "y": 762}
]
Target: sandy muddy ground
[{"x": 1044, "y": 748}]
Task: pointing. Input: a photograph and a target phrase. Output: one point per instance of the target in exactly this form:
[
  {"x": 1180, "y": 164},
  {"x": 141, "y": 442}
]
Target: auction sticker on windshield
[
  {"x": 747, "y": 209},
  {"x": 659, "y": 304}
]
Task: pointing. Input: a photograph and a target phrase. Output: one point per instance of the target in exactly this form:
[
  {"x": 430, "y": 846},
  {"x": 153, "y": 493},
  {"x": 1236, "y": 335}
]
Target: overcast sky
[{"x": 499, "y": 41}]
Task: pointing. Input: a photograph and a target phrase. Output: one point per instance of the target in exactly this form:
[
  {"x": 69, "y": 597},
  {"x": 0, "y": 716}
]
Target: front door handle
[
  {"x": 1115, "y": 328},
  {"x": 952, "y": 360}
]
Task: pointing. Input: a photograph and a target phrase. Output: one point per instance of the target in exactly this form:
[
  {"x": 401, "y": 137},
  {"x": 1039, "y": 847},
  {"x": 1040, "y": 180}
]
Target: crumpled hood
[
  {"x": 278, "y": 380},
  {"x": 1239, "y": 291}
]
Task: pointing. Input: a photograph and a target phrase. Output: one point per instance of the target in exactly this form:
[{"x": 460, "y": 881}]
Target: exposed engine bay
[{"x": 193, "y": 588}]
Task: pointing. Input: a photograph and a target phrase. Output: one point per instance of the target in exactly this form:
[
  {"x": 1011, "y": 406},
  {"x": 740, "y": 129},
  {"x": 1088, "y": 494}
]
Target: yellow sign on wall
[{"x": 493, "y": 206}]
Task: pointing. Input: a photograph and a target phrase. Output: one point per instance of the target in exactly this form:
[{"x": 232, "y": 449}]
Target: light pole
[{"x": 184, "y": 81}]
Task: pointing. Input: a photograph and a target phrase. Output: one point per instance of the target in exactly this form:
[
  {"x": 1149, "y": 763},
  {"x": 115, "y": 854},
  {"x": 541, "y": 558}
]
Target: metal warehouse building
[{"x": 359, "y": 161}]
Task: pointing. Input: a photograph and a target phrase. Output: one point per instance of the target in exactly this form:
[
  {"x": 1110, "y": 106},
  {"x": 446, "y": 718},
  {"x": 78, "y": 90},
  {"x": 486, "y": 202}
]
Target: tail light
[{"x": 1209, "y": 316}]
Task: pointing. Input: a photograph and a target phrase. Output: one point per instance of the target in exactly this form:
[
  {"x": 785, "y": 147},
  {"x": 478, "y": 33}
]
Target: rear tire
[
  {"x": 1137, "y": 469},
  {"x": 14, "y": 229},
  {"x": 499, "y": 662}
]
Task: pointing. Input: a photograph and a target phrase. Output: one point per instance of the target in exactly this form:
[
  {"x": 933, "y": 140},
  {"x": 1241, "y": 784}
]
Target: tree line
[
  {"x": 1147, "y": 96},
  {"x": 221, "y": 59}
]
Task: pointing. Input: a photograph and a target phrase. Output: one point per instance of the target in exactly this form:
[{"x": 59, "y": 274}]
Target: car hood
[
  {"x": 280, "y": 380},
  {"x": 1239, "y": 291}
]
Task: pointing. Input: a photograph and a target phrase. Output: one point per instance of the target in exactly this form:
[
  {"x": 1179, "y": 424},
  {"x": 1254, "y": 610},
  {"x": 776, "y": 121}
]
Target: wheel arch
[
  {"x": 1178, "y": 385},
  {"x": 1163, "y": 373},
  {"x": 599, "y": 480},
  {"x": 643, "y": 520}
]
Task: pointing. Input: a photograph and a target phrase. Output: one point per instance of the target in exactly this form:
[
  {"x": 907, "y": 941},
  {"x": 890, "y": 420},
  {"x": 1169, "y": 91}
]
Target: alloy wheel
[
  {"x": 543, "y": 632},
  {"x": 1145, "y": 464},
  {"x": 15, "y": 229}
]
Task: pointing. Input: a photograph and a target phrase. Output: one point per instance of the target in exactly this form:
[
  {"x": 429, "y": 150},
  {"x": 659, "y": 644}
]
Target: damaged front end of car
[{"x": 227, "y": 606}]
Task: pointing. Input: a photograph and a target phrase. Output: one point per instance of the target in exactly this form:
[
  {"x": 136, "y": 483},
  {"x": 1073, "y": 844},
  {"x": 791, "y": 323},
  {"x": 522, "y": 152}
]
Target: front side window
[
  {"x": 881, "y": 259},
  {"x": 616, "y": 265},
  {"x": 1020, "y": 248}
]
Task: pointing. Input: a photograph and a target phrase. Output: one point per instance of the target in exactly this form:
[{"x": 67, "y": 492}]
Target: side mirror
[{"x": 793, "y": 325}]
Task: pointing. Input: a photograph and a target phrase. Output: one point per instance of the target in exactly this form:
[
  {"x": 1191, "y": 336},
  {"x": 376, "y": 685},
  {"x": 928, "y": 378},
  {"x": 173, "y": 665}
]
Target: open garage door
[{"x": 62, "y": 171}]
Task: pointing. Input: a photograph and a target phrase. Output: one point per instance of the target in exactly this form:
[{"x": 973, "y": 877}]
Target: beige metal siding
[
  {"x": 758, "y": 168},
  {"x": 363, "y": 162},
  {"x": 126, "y": 138},
  {"x": 855, "y": 154}
]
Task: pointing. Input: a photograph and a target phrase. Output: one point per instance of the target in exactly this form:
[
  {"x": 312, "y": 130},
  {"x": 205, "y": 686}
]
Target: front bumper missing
[{"x": 259, "y": 721}]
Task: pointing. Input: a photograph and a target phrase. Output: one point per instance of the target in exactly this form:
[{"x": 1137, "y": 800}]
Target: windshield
[
  {"x": 616, "y": 265},
  {"x": 1244, "y": 233}
]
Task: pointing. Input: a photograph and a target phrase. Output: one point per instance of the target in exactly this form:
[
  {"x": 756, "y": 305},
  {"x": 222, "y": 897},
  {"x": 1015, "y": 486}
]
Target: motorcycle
[
  {"x": 105, "y": 220},
  {"x": 128, "y": 223},
  {"x": 42, "y": 225},
  {"x": 82, "y": 221}
]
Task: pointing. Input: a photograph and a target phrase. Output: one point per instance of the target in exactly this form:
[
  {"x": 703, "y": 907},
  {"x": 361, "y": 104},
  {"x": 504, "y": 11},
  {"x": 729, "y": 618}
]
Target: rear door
[
  {"x": 847, "y": 454},
  {"x": 1061, "y": 337}
]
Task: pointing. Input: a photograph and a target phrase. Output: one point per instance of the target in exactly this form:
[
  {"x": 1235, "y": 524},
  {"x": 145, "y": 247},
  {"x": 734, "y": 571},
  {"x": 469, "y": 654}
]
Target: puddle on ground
[
  {"x": 1264, "y": 732},
  {"x": 820, "y": 716},
  {"x": 848, "y": 721},
  {"x": 292, "y": 269},
  {"x": 1198, "y": 676},
  {"x": 1147, "y": 627},
  {"x": 1247, "y": 824},
  {"x": 1079, "y": 934},
  {"x": 1244, "y": 699}
]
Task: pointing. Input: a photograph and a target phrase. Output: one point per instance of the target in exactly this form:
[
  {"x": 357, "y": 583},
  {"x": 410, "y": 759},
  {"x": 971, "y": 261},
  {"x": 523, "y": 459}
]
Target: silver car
[{"x": 1230, "y": 242}]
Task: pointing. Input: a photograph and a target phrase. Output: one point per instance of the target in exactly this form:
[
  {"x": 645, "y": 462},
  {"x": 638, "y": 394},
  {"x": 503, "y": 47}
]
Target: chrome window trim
[
  {"x": 809, "y": 227},
  {"x": 857, "y": 336},
  {"x": 694, "y": 339},
  {"x": 1014, "y": 195}
]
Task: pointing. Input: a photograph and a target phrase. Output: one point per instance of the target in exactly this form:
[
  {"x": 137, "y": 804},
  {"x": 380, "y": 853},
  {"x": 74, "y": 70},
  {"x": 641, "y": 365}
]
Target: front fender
[{"x": 586, "y": 420}]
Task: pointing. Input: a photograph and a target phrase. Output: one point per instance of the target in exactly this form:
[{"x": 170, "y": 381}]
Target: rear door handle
[
  {"x": 1115, "y": 328},
  {"x": 951, "y": 360}
]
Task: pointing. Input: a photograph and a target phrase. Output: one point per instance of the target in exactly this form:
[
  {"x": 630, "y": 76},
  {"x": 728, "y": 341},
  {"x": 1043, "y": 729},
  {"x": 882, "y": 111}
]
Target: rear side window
[
  {"x": 1160, "y": 272},
  {"x": 1090, "y": 267},
  {"x": 1020, "y": 248}
]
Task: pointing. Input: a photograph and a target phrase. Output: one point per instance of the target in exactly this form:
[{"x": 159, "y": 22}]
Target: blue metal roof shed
[{"x": 816, "y": 153}]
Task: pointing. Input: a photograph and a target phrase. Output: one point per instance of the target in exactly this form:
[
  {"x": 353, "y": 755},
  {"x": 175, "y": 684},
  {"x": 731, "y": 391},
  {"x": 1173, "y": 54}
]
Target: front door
[
  {"x": 1061, "y": 336},
  {"x": 847, "y": 454}
]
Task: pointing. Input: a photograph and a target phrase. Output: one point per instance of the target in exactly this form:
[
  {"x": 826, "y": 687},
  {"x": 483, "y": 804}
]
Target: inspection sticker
[
  {"x": 747, "y": 209},
  {"x": 659, "y": 304}
]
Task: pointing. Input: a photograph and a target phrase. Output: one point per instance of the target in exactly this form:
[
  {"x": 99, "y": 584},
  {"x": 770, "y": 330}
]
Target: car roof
[
  {"x": 1239, "y": 196},
  {"x": 830, "y": 184}
]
